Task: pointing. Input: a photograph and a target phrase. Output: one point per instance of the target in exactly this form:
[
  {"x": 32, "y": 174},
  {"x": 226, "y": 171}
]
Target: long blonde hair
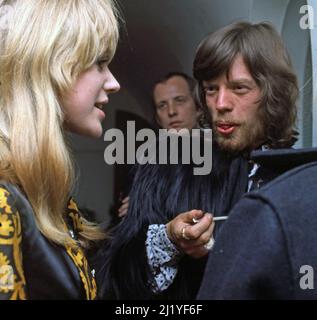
[{"x": 45, "y": 46}]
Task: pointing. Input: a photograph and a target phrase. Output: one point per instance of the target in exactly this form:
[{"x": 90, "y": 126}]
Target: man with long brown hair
[
  {"x": 247, "y": 82},
  {"x": 248, "y": 86}
]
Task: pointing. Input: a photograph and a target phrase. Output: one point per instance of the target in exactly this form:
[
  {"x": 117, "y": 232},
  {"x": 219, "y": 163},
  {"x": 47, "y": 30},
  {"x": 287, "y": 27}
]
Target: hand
[
  {"x": 188, "y": 236},
  {"x": 123, "y": 210}
]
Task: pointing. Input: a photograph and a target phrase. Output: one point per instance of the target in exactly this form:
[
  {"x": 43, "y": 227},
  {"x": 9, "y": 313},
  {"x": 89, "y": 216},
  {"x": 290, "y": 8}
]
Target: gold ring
[{"x": 183, "y": 233}]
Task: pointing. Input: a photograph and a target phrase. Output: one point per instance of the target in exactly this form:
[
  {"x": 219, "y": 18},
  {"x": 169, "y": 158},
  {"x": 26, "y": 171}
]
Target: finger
[
  {"x": 125, "y": 200},
  {"x": 203, "y": 239},
  {"x": 205, "y": 236},
  {"x": 197, "y": 214},
  {"x": 124, "y": 207},
  {"x": 200, "y": 242},
  {"x": 187, "y": 217},
  {"x": 175, "y": 227},
  {"x": 122, "y": 211},
  {"x": 195, "y": 231},
  {"x": 122, "y": 214},
  {"x": 195, "y": 247}
]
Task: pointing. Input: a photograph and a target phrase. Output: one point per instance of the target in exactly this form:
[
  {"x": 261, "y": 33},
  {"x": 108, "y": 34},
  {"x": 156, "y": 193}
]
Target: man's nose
[
  {"x": 172, "y": 110},
  {"x": 223, "y": 100}
]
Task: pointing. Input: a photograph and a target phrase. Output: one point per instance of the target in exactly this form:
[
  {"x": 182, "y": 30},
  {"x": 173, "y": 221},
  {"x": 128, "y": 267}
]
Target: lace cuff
[{"x": 162, "y": 256}]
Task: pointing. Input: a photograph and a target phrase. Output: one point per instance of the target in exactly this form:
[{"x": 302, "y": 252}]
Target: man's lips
[
  {"x": 225, "y": 128},
  {"x": 175, "y": 124}
]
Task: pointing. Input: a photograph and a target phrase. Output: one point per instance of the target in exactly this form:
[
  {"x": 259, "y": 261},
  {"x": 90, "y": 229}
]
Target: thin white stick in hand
[
  {"x": 220, "y": 218},
  {"x": 214, "y": 219}
]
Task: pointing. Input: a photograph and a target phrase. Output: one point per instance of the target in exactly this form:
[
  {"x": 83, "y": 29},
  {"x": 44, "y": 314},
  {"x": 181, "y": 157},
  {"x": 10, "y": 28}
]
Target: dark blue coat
[{"x": 268, "y": 237}]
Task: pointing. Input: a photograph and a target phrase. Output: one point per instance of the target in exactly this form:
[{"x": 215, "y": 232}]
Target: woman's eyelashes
[{"x": 102, "y": 64}]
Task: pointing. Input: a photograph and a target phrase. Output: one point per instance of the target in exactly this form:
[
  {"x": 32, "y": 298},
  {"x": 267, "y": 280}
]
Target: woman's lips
[
  {"x": 100, "y": 107},
  {"x": 101, "y": 113}
]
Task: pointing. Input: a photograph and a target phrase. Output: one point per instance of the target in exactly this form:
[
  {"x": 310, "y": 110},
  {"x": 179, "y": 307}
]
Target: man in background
[
  {"x": 174, "y": 103},
  {"x": 174, "y": 108}
]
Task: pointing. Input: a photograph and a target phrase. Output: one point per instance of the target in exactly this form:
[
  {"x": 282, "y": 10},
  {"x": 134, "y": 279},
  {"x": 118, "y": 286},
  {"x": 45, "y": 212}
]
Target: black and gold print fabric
[
  {"x": 77, "y": 255},
  {"x": 12, "y": 281},
  {"x": 14, "y": 284}
]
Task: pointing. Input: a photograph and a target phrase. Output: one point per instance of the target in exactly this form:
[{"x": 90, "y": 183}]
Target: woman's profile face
[{"x": 84, "y": 104}]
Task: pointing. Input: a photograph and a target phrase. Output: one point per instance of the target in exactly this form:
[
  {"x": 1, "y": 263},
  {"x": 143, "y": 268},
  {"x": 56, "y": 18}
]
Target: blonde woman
[{"x": 54, "y": 75}]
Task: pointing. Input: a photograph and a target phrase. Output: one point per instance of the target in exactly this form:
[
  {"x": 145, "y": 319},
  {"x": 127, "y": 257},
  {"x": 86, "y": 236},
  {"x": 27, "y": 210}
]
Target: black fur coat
[{"x": 158, "y": 194}]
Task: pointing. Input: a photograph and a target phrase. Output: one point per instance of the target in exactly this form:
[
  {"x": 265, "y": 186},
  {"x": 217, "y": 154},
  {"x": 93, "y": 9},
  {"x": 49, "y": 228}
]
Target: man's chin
[{"x": 229, "y": 145}]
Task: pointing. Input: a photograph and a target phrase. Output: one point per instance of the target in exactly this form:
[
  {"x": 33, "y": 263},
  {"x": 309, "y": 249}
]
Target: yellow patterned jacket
[{"x": 31, "y": 266}]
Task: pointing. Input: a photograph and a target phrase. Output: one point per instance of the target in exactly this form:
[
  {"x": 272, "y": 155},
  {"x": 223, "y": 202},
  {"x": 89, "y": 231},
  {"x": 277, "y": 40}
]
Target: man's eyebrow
[
  {"x": 180, "y": 96},
  {"x": 242, "y": 81},
  {"x": 160, "y": 101},
  {"x": 207, "y": 83}
]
